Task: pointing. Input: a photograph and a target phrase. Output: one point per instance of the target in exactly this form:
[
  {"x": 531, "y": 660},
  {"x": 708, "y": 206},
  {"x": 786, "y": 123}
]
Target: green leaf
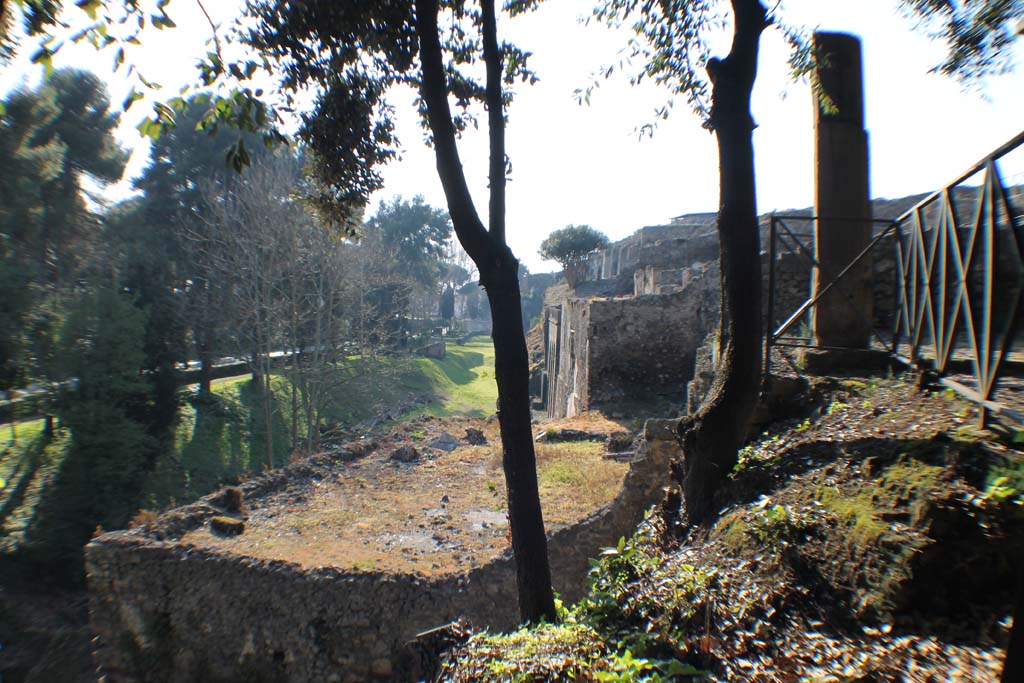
[
  {"x": 133, "y": 97},
  {"x": 89, "y": 7},
  {"x": 150, "y": 129}
]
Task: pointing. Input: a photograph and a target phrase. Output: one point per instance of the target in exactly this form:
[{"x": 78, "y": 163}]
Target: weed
[
  {"x": 902, "y": 486},
  {"x": 1001, "y": 491},
  {"x": 836, "y": 406},
  {"x": 803, "y": 426},
  {"x": 773, "y": 526}
]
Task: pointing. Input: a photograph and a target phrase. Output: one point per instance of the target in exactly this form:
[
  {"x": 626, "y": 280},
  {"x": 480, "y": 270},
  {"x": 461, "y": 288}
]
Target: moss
[
  {"x": 733, "y": 530},
  {"x": 902, "y": 488}
]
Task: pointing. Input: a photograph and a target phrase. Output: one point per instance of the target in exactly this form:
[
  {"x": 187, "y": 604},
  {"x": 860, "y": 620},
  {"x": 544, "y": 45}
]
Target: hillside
[{"x": 871, "y": 541}]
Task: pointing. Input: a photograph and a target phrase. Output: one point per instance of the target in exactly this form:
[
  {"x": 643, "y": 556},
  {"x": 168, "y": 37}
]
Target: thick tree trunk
[{"x": 712, "y": 437}]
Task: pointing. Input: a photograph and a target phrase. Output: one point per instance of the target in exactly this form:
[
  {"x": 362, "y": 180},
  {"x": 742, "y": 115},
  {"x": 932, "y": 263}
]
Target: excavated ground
[
  {"x": 423, "y": 499},
  {"x": 875, "y": 540}
]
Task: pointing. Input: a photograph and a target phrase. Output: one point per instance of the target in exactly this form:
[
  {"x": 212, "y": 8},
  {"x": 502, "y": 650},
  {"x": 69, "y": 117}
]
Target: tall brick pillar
[{"x": 841, "y": 195}]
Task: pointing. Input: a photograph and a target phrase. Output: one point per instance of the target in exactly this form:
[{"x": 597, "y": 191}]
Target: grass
[
  {"x": 410, "y": 517},
  {"x": 464, "y": 378},
  {"x": 221, "y": 440},
  {"x": 27, "y": 466}
]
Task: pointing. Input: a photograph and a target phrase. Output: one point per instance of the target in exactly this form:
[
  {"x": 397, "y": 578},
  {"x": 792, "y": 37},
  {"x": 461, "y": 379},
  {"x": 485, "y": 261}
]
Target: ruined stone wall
[
  {"x": 566, "y": 358},
  {"x": 162, "y": 611},
  {"x": 642, "y": 349}
]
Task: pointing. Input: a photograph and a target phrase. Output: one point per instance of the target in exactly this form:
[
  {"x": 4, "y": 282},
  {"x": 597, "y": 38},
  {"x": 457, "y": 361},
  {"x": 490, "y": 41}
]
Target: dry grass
[{"x": 443, "y": 514}]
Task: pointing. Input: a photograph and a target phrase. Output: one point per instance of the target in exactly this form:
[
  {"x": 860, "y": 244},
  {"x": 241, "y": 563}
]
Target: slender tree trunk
[
  {"x": 205, "y": 369},
  {"x": 499, "y": 274},
  {"x": 712, "y": 437},
  {"x": 268, "y": 424},
  {"x": 511, "y": 370}
]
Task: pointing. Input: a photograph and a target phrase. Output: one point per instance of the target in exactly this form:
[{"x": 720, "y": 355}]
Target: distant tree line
[{"x": 104, "y": 305}]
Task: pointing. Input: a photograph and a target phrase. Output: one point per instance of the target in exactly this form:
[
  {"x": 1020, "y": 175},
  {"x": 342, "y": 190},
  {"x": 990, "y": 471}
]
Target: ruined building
[{"x": 629, "y": 333}]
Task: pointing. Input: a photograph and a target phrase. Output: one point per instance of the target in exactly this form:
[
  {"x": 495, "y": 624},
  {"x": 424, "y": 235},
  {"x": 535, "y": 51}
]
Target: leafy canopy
[
  {"x": 569, "y": 246},
  {"x": 978, "y": 34},
  {"x": 411, "y": 237},
  {"x": 572, "y": 242}
]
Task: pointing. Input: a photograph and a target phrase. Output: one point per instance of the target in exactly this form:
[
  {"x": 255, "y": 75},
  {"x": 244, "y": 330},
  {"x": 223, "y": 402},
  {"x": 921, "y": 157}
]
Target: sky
[{"x": 578, "y": 164}]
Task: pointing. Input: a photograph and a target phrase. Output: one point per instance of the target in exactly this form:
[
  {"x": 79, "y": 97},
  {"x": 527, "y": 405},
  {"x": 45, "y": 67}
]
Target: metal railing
[
  {"x": 780, "y": 232},
  {"x": 959, "y": 281},
  {"x": 961, "y": 269}
]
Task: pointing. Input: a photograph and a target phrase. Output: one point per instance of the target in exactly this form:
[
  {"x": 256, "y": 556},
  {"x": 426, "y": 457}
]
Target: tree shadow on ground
[
  {"x": 227, "y": 442},
  {"x": 460, "y": 370},
  {"x": 22, "y": 475}
]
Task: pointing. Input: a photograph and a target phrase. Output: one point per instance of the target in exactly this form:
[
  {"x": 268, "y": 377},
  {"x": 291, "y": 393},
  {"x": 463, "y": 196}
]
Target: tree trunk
[
  {"x": 712, "y": 437},
  {"x": 499, "y": 274},
  {"x": 511, "y": 369},
  {"x": 205, "y": 370}
]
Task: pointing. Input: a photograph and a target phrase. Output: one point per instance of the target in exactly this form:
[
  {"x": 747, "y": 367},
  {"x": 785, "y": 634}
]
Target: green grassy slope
[{"x": 225, "y": 439}]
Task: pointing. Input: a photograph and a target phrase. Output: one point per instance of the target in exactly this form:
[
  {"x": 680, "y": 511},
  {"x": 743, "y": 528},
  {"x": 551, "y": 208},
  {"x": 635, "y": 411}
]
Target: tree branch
[{"x": 434, "y": 91}]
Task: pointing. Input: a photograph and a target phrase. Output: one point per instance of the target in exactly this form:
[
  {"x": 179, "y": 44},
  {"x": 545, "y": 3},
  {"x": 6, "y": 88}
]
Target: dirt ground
[{"x": 443, "y": 511}]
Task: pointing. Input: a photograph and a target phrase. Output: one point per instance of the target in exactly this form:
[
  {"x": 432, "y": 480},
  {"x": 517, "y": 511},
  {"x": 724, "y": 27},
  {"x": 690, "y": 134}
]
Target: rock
[
  {"x": 475, "y": 437},
  {"x": 226, "y": 526},
  {"x": 405, "y": 454},
  {"x": 381, "y": 667},
  {"x": 446, "y": 442},
  {"x": 619, "y": 442},
  {"x": 560, "y": 435}
]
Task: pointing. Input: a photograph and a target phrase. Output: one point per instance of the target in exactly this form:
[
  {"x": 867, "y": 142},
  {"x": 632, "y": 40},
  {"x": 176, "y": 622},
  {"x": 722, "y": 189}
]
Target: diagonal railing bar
[
  {"x": 951, "y": 289},
  {"x": 937, "y": 282},
  {"x": 813, "y": 300},
  {"x": 953, "y": 274},
  {"x": 985, "y": 346},
  {"x": 899, "y": 288},
  {"x": 903, "y": 279},
  {"x": 953, "y": 322},
  {"x": 968, "y": 260},
  {"x": 913, "y": 266},
  {"x": 1014, "y": 221},
  {"x": 800, "y": 246},
  {"x": 926, "y": 254}
]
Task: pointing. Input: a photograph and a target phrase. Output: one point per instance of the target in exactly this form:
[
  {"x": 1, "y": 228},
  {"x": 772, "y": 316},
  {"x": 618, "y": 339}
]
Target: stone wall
[
  {"x": 164, "y": 611},
  {"x": 605, "y": 352}
]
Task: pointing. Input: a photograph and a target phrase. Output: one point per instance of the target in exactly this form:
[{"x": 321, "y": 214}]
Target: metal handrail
[{"x": 938, "y": 258}]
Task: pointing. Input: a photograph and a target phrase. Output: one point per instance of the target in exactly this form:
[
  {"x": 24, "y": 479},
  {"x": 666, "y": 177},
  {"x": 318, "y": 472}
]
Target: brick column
[{"x": 841, "y": 195}]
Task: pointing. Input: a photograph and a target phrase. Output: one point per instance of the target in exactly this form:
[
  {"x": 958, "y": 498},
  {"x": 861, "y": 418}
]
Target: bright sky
[{"x": 579, "y": 164}]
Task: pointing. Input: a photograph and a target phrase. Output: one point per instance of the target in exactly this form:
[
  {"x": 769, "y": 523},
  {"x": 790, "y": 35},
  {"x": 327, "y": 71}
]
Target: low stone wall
[{"x": 164, "y": 611}]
